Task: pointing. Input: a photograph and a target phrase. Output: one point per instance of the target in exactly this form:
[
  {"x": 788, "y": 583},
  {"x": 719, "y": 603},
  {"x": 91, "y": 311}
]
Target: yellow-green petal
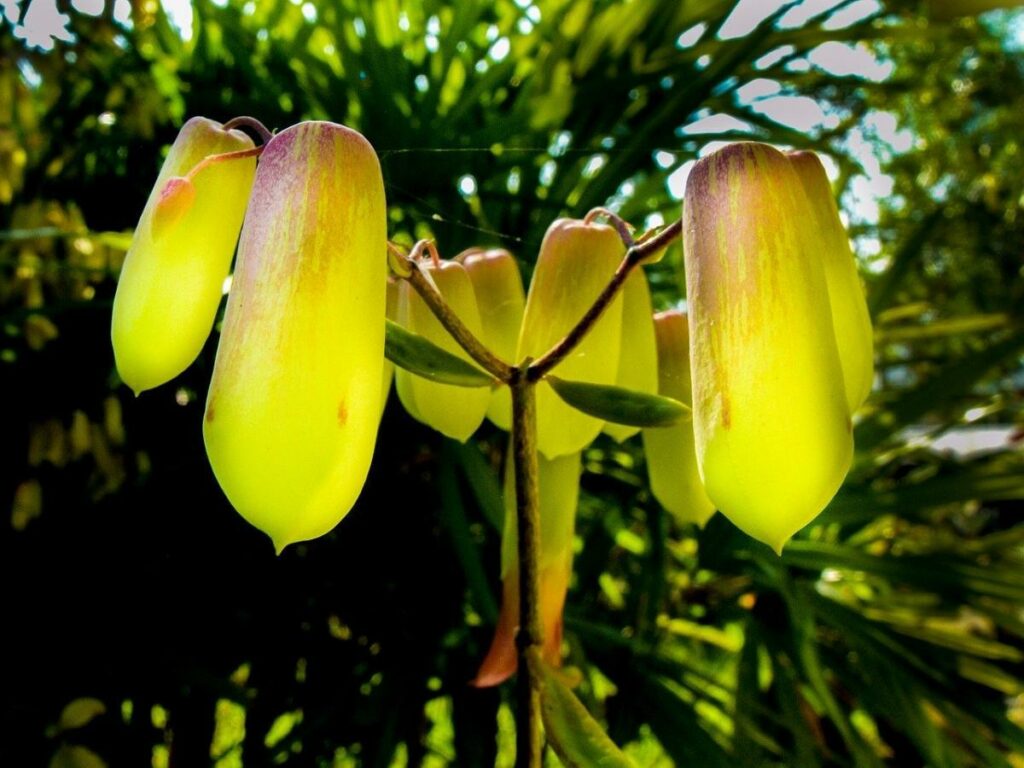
[
  {"x": 575, "y": 263},
  {"x": 850, "y": 317},
  {"x": 500, "y": 296},
  {"x": 558, "y": 489},
  {"x": 453, "y": 411},
  {"x": 173, "y": 276},
  {"x": 771, "y": 422},
  {"x": 294, "y": 405}
]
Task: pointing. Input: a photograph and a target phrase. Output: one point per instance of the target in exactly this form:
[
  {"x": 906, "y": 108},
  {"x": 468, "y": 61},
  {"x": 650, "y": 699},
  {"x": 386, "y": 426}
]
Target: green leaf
[
  {"x": 622, "y": 406},
  {"x": 417, "y": 355},
  {"x": 577, "y": 738}
]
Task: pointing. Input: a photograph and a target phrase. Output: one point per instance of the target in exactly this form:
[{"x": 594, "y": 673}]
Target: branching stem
[{"x": 522, "y": 381}]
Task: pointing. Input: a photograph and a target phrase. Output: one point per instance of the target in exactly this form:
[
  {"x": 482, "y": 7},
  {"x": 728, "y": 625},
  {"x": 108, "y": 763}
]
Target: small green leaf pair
[{"x": 419, "y": 356}]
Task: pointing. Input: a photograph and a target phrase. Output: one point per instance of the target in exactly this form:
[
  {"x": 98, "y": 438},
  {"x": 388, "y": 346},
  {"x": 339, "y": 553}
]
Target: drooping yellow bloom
[
  {"x": 499, "y": 294},
  {"x": 850, "y": 317},
  {"x": 453, "y": 411},
  {"x": 294, "y": 404},
  {"x": 771, "y": 423},
  {"x": 576, "y": 261},
  {"x": 558, "y": 487},
  {"x": 638, "y": 354},
  {"x": 173, "y": 276},
  {"x": 671, "y": 455}
]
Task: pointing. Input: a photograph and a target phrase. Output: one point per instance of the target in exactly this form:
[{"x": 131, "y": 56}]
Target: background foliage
[{"x": 889, "y": 633}]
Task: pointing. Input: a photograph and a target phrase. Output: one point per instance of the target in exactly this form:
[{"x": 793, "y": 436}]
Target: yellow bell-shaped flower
[
  {"x": 850, "y": 317},
  {"x": 770, "y": 416},
  {"x": 670, "y": 451},
  {"x": 294, "y": 404},
  {"x": 173, "y": 276},
  {"x": 638, "y": 353},
  {"x": 453, "y": 411},
  {"x": 500, "y": 296},
  {"x": 558, "y": 488},
  {"x": 576, "y": 261}
]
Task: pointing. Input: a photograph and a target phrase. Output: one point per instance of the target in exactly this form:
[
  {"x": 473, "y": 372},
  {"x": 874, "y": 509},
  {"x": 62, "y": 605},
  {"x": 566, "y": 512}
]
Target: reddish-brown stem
[
  {"x": 244, "y": 121},
  {"x": 623, "y": 228},
  {"x": 209, "y": 160},
  {"x": 416, "y": 254}
]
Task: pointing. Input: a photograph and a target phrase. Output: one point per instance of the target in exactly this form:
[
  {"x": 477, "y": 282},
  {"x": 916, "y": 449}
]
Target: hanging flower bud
[
  {"x": 453, "y": 411},
  {"x": 770, "y": 417},
  {"x": 850, "y": 318},
  {"x": 671, "y": 456},
  {"x": 558, "y": 486},
  {"x": 499, "y": 294},
  {"x": 576, "y": 261},
  {"x": 638, "y": 353},
  {"x": 294, "y": 404},
  {"x": 173, "y": 276}
]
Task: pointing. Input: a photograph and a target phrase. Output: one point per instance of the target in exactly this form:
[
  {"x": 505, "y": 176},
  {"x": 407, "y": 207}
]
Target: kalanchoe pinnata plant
[
  {"x": 294, "y": 404},
  {"x": 775, "y": 352},
  {"x": 173, "y": 276},
  {"x": 773, "y": 433}
]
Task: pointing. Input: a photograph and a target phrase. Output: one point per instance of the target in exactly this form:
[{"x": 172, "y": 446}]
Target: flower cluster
[
  {"x": 294, "y": 404},
  {"x": 773, "y": 355}
]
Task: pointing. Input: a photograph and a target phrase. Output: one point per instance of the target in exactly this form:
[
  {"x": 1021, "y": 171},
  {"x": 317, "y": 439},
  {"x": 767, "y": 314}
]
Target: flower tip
[
  {"x": 498, "y": 667},
  {"x": 279, "y": 546},
  {"x": 135, "y": 386}
]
